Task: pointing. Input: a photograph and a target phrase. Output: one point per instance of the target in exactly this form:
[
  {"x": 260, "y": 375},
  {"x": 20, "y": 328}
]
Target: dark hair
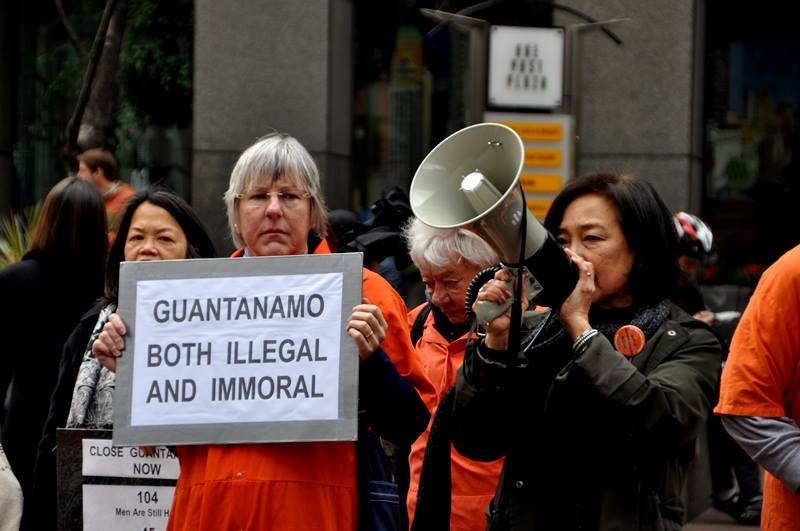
[
  {"x": 645, "y": 221},
  {"x": 198, "y": 242},
  {"x": 100, "y": 158},
  {"x": 72, "y": 225}
]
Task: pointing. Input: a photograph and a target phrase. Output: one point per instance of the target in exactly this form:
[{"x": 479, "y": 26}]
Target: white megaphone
[{"x": 471, "y": 180}]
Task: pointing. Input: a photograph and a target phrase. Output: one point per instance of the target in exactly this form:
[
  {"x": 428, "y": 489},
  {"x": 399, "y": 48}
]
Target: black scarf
[
  {"x": 646, "y": 317},
  {"x": 448, "y": 330}
]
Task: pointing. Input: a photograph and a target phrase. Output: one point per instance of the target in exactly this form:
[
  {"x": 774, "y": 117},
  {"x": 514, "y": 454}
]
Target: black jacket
[
  {"x": 44, "y": 487},
  {"x": 43, "y": 298},
  {"x": 594, "y": 441}
]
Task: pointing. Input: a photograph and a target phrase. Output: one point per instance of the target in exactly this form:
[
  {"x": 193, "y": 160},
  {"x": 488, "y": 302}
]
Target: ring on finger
[{"x": 370, "y": 334}]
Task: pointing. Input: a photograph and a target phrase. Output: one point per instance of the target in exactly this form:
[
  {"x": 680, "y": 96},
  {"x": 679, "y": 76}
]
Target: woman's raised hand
[
  {"x": 574, "y": 313},
  {"x": 109, "y": 344}
]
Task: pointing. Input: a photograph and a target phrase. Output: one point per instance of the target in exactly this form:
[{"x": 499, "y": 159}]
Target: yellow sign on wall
[
  {"x": 549, "y": 147},
  {"x": 539, "y": 207},
  {"x": 540, "y": 182},
  {"x": 537, "y": 131},
  {"x": 543, "y": 158}
]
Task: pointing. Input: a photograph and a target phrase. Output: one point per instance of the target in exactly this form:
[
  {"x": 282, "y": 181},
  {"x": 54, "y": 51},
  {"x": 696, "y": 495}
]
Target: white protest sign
[
  {"x": 126, "y": 507},
  {"x": 102, "y": 487},
  {"x": 238, "y": 350},
  {"x": 102, "y": 459}
]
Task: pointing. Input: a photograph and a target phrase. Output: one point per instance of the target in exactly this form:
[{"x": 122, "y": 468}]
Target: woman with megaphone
[{"x": 598, "y": 413}]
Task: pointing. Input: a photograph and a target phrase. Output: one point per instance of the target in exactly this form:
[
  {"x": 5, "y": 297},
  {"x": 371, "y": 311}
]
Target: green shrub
[{"x": 15, "y": 234}]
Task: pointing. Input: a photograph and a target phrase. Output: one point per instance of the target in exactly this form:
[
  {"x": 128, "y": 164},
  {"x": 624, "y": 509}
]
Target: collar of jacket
[
  {"x": 669, "y": 337},
  {"x": 321, "y": 248}
]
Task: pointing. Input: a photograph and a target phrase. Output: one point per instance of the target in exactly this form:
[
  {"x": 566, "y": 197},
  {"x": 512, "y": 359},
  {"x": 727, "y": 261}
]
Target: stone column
[
  {"x": 270, "y": 65},
  {"x": 641, "y": 103}
]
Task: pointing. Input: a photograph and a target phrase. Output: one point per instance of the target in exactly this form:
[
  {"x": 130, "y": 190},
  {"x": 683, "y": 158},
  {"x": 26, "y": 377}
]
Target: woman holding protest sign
[
  {"x": 275, "y": 208},
  {"x": 155, "y": 225}
]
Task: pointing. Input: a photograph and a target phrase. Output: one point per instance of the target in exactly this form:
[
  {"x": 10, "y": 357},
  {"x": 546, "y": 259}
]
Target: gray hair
[
  {"x": 272, "y": 157},
  {"x": 430, "y": 247}
]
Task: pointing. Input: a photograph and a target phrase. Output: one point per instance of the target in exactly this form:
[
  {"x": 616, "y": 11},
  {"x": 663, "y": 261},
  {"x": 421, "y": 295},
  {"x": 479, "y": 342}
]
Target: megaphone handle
[{"x": 487, "y": 311}]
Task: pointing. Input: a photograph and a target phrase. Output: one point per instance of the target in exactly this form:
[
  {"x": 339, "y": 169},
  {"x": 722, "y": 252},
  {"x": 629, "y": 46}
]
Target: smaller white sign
[
  {"x": 102, "y": 459},
  {"x": 526, "y": 67},
  {"x": 126, "y": 507}
]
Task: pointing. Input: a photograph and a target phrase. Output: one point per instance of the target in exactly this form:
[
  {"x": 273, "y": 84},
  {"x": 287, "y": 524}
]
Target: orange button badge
[{"x": 629, "y": 340}]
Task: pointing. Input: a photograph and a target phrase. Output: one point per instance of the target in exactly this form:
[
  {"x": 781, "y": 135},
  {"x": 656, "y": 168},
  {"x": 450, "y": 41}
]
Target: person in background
[
  {"x": 275, "y": 208},
  {"x": 696, "y": 246},
  {"x": 759, "y": 399},
  {"x": 155, "y": 225},
  {"x": 59, "y": 278},
  {"x": 598, "y": 410},
  {"x": 448, "y": 260},
  {"x": 99, "y": 166},
  {"x": 380, "y": 237}
]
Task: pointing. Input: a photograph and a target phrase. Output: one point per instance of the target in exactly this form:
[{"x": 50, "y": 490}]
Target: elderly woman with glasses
[{"x": 275, "y": 208}]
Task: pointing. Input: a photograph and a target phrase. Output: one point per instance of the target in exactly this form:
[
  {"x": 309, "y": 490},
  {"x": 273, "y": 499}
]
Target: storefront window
[
  {"x": 412, "y": 85},
  {"x": 752, "y": 99}
]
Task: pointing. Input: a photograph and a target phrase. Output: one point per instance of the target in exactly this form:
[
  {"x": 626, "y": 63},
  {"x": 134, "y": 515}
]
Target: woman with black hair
[
  {"x": 156, "y": 225},
  {"x": 60, "y": 277},
  {"x": 598, "y": 414}
]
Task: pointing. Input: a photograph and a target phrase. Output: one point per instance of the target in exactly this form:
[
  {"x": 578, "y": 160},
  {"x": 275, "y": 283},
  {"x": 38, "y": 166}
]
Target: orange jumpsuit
[
  {"x": 473, "y": 482},
  {"x": 288, "y": 486},
  {"x": 761, "y": 377}
]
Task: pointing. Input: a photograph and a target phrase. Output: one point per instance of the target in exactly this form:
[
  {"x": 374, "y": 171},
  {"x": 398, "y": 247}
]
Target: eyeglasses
[{"x": 259, "y": 199}]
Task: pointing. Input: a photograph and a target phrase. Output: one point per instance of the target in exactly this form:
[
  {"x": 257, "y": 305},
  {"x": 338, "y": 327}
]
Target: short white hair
[
  {"x": 431, "y": 247},
  {"x": 272, "y": 157}
]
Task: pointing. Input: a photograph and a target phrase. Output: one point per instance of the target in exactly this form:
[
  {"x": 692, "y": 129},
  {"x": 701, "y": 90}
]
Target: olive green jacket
[{"x": 597, "y": 441}]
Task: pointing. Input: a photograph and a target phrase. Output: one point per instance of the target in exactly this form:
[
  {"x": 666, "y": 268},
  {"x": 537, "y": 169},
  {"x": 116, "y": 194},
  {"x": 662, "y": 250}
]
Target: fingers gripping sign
[
  {"x": 110, "y": 343},
  {"x": 367, "y": 327}
]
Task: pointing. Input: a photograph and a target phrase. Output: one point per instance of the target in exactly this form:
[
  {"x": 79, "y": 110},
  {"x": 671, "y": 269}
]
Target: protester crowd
[{"x": 581, "y": 416}]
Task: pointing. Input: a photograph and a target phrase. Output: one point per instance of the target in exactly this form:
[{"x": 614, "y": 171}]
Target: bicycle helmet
[{"x": 695, "y": 238}]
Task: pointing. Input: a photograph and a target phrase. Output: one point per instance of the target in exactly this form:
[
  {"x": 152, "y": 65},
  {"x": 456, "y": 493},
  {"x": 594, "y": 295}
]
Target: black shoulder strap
[{"x": 419, "y": 324}]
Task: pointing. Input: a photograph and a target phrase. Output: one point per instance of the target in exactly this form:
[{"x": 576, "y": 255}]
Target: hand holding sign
[
  {"x": 367, "y": 327},
  {"x": 109, "y": 344}
]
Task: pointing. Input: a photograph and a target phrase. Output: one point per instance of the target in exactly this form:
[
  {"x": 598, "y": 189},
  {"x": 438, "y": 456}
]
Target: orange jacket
[
  {"x": 288, "y": 486},
  {"x": 115, "y": 204},
  {"x": 473, "y": 482},
  {"x": 761, "y": 376}
]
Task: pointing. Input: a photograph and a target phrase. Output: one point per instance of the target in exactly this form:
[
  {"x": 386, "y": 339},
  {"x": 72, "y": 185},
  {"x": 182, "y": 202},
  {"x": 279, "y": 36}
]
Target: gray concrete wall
[
  {"x": 270, "y": 65},
  {"x": 641, "y": 108}
]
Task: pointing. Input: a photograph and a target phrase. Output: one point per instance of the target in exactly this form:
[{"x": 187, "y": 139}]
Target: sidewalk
[{"x": 713, "y": 520}]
